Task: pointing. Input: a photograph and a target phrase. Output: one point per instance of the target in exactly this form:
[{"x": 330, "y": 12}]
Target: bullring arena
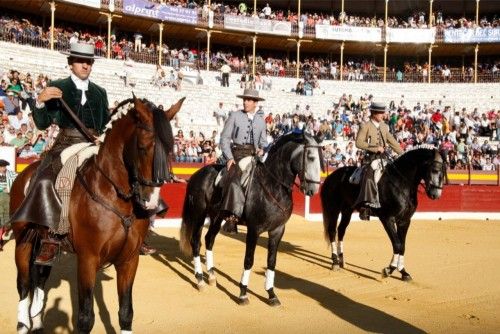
[{"x": 452, "y": 248}]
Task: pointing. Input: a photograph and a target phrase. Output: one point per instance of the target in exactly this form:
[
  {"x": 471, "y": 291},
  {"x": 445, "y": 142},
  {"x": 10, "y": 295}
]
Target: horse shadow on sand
[
  {"x": 362, "y": 316},
  {"x": 55, "y": 319}
]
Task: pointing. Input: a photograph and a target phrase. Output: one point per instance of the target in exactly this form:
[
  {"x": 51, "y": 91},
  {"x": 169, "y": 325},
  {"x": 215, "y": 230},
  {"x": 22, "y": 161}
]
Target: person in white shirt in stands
[
  {"x": 488, "y": 165},
  {"x": 267, "y": 11}
]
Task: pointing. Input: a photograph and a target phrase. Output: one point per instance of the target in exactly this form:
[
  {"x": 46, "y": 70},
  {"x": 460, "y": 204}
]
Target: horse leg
[
  {"x": 23, "y": 257},
  {"x": 272, "y": 250},
  {"x": 87, "y": 269},
  {"x": 213, "y": 230},
  {"x": 125, "y": 275},
  {"x": 402, "y": 231},
  {"x": 390, "y": 227},
  {"x": 330, "y": 218},
  {"x": 39, "y": 275},
  {"x": 344, "y": 222},
  {"x": 251, "y": 243}
]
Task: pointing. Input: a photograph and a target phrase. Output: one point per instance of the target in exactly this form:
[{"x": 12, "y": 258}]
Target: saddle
[
  {"x": 71, "y": 158},
  {"x": 246, "y": 166}
]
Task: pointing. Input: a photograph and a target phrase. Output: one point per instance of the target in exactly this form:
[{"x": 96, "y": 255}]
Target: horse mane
[
  {"x": 118, "y": 112},
  {"x": 286, "y": 138},
  {"x": 421, "y": 147}
]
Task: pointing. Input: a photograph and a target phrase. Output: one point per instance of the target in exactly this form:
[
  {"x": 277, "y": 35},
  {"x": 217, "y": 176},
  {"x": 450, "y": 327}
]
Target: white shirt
[{"x": 82, "y": 85}]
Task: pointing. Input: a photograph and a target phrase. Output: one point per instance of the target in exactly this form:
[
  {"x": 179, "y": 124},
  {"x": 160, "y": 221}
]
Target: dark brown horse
[{"x": 108, "y": 213}]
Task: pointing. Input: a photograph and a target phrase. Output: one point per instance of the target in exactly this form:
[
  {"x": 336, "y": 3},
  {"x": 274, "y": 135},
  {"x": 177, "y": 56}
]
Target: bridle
[
  {"x": 302, "y": 172},
  {"x": 429, "y": 183}
]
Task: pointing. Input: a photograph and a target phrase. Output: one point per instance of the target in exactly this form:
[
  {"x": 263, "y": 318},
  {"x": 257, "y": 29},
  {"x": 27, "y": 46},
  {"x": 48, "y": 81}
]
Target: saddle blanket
[{"x": 71, "y": 158}]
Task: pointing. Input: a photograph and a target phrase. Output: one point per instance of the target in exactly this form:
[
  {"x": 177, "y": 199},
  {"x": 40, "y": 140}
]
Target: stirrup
[{"x": 49, "y": 251}]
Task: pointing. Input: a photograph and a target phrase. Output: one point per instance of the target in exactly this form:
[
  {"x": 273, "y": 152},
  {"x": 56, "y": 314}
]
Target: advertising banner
[
  {"x": 472, "y": 35},
  {"x": 346, "y": 33},
  {"x": 407, "y": 35},
  {"x": 160, "y": 11},
  {"x": 254, "y": 24},
  {"x": 88, "y": 3}
]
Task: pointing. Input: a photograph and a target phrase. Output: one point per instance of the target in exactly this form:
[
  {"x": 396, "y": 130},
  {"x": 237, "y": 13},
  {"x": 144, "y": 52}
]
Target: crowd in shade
[
  {"x": 413, "y": 19},
  {"x": 466, "y": 138},
  {"x": 178, "y": 54}
]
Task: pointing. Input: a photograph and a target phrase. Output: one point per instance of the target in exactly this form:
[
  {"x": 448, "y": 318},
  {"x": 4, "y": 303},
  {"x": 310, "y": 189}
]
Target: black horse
[
  {"x": 398, "y": 199},
  {"x": 268, "y": 205}
]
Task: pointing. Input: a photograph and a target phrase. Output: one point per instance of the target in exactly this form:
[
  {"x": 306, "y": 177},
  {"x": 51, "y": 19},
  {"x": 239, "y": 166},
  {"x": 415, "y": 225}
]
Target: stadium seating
[{"x": 202, "y": 99}]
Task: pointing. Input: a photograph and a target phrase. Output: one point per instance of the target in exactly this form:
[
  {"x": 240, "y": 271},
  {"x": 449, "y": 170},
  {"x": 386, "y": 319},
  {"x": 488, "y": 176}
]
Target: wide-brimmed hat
[
  {"x": 377, "y": 108},
  {"x": 4, "y": 163},
  {"x": 80, "y": 50},
  {"x": 252, "y": 94}
]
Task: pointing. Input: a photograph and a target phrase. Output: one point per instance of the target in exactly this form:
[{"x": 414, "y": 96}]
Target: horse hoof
[
  {"x": 212, "y": 281},
  {"x": 243, "y": 300},
  {"x": 406, "y": 278},
  {"x": 201, "y": 286},
  {"x": 274, "y": 302},
  {"x": 335, "y": 267},
  {"x": 386, "y": 272}
]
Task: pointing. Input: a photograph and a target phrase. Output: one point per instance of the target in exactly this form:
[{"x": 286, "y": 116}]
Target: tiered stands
[{"x": 202, "y": 99}]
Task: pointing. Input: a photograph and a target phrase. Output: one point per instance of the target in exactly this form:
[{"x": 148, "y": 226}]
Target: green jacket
[{"x": 94, "y": 113}]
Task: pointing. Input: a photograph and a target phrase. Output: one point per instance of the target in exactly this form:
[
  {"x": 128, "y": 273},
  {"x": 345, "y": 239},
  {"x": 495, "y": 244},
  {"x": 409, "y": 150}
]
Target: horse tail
[
  {"x": 187, "y": 228},
  {"x": 194, "y": 211}
]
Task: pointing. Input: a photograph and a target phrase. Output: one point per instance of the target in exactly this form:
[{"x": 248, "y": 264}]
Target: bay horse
[
  {"x": 397, "y": 190},
  {"x": 108, "y": 215},
  {"x": 268, "y": 206}
]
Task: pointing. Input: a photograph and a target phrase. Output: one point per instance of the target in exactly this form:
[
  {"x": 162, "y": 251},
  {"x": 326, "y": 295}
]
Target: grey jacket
[{"x": 237, "y": 131}]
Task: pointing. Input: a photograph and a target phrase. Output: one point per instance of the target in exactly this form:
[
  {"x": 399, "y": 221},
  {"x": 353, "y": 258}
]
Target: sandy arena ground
[{"x": 455, "y": 289}]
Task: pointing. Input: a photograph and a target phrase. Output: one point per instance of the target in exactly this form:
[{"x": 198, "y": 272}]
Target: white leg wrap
[
  {"x": 401, "y": 262},
  {"x": 125, "y": 332},
  {"x": 334, "y": 248},
  {"x": 37, "y": 303},
  {"x": 197, "y": 265},
  {"x": 37, "y": 322},
  {"x": 245, "y": 278},
  {"x": 341, "y": 247},
  {"x": 394, "y": 261},
  {"x": 23, "y": 315},
  {"x": 269, "y": 279},
  {"x": 209, "y": 255}
]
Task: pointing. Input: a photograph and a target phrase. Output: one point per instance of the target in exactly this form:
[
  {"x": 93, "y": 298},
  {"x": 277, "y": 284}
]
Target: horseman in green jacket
[{"x": 90, "y": 104}]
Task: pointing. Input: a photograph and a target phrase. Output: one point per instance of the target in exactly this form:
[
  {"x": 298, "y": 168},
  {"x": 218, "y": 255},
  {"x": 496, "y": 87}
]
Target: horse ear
[
  {"x": 174, "y": 109},
  {"x": 133, "y": 96},
  {"x": 319, "y": 137}
]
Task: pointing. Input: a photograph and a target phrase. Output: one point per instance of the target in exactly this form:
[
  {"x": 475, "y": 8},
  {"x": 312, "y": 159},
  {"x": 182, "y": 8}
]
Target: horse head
[
  {"x": 423, "y": 163},
  {"x": 146, "y": 149},
  {"x": 435, "y": 173},
  {"x": 307, "y": 163}
]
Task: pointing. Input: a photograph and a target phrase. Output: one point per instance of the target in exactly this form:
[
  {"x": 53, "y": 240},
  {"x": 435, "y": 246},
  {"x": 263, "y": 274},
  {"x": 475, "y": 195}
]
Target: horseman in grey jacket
[{"x": 243, "y": 136}]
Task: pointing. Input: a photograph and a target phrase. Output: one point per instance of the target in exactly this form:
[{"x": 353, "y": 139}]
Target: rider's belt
[
  {"x": 242, "y": 151},
  {"x": 72, "y": 135}
]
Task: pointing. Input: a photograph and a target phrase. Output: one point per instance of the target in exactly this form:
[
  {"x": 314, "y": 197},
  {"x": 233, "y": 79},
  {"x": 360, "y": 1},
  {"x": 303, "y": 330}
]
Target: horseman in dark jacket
[
  {"x": 244, "y": 135},
  {"x": 90, "y": 104},
  {"x": 374, "y": 138}
]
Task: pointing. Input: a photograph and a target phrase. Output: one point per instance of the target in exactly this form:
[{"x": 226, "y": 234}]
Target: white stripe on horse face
[
  {"x": 209, "y": 255},
  {"x": 197, "y": 265},
  {"x": 269, "y": 279},
  {"x": 154, "y": 199},
  {"x": 245, "y": 277},
  {"x": 23, "y": 316}
]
